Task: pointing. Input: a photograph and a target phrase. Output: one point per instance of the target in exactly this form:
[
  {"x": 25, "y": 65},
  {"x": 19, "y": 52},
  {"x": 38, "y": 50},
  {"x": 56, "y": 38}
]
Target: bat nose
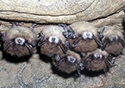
[
  {"x": 53, "y": 39},
  {"x": 19, "y": 41},
  {"x": 87, "y": 34},
  {"x": 115, "y": 38},
  {"x": 71, "y": 59}
]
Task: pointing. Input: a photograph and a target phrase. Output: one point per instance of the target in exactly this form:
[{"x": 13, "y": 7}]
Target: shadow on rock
[
  {"x": 44, "y": 58},
  {"x": 93, "y": 73},
  {"x": 63, "y": 74},
  {"x": 15, "y": 59}
]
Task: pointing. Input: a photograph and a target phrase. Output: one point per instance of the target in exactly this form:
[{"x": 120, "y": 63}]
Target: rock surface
[{"x": 58, "y": 11}]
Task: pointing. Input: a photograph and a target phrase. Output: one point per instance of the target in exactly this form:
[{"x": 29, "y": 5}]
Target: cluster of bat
[{"x": 72, "y": 47}]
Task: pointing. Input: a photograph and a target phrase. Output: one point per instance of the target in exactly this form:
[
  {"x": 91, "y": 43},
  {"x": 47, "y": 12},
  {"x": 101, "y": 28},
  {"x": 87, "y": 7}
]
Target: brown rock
[{"x": 58, "y": 11}]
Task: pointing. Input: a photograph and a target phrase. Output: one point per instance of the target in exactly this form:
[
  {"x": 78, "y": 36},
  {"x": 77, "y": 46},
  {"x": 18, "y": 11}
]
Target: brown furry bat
[
  {"x": 113, "y": 40},
  {"x": 98, "y": 60},
  {"x": 18, "y": 41},
  {"x": 52, "y": 41},
  {"x": 86, "y": 37},
  {"x": 68, "y": 62}
]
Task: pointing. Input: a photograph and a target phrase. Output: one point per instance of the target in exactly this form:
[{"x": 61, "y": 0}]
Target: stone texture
[
  {"x": 115, "y": 19},
  {"x": 58, "y": 11}
]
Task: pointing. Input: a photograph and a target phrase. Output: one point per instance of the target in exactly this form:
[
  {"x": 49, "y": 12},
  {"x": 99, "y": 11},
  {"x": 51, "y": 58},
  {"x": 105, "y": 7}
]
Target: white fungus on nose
[
  {"x": 53, "y": 39},
  {"x": 20, "y": 40},
  {"x": 98, "y": 55},
  {"x": 71, "y": 59},
  {"x": 86, "y": 35},
  {"x": 113, "y": 38}
]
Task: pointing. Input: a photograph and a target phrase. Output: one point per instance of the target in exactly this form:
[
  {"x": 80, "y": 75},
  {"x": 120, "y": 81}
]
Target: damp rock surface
[
  {"x": 39, "y": 73},
  {"x": 58, "y": 11}
]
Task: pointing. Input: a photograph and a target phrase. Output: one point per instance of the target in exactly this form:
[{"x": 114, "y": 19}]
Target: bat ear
[
  {"x": 14, "y": 24},
  {"x": 32, "y": 27},
  {"x": 100, "y": 34},
  {"x": 66, "y": 33},
  {"x": 2, "y": 36}
]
